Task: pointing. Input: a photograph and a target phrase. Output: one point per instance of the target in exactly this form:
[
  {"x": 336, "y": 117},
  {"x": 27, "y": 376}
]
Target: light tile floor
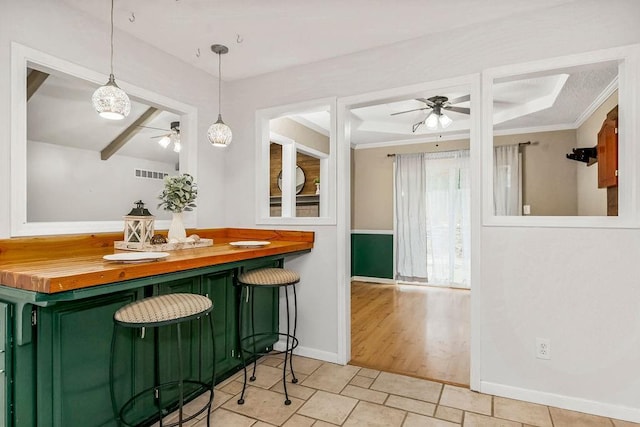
[{"x": 328, "y": 395}]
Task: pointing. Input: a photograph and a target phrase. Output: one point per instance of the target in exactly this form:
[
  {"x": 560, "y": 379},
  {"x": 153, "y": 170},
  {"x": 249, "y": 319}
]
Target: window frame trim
[
  {"x": 629, "y": 131},
  {"x": 262, "y": 137}
]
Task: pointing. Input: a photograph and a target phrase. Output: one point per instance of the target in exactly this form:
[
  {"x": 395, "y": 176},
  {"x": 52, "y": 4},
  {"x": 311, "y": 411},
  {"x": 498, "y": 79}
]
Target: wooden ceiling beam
[
  {"x": 128, "y": 133},
  {"x": 34, "y": 81}
]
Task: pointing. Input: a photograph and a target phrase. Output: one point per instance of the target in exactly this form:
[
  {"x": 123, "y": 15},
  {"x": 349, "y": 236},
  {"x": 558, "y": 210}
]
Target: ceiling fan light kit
[
  {"x": 172, "y": 137},
  {"x": 177, "y": 146},
  {"x": 431, "y": 121},
  {"x": 164, "y": 141},
  {"x": 437, "y": 116},
  {"x": 219, "y": 134},
  {"x": 109, "y": 100},
  {"x": 444, "y": 120}
]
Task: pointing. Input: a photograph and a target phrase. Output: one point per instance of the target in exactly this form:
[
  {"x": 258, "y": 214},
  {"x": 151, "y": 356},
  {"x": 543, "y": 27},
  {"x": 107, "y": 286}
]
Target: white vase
[
  {"x": 176, "y": 229},
  {"x": 318, "y": 188}
]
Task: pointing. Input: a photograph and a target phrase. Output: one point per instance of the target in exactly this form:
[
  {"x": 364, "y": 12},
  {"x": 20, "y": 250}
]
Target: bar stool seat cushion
[
  {"x": 163, "y": 309},
  {"x": 269, "y": 277}
]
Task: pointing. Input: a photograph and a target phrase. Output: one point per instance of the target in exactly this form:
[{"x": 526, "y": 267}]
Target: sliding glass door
[{"x": 432, "y": 218}]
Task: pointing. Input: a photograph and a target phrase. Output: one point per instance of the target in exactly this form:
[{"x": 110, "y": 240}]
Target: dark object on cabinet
[{"x": 586, "y": 155}]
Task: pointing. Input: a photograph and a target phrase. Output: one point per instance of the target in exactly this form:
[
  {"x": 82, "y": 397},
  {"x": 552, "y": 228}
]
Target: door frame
[{"x": 344, "y": 105}]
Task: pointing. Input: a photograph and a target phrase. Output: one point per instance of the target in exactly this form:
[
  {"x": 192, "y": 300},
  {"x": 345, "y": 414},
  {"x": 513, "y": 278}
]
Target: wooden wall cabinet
[{"x": 608, "y": 151}]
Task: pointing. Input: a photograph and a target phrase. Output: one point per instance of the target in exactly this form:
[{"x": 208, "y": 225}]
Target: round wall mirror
[{"x": 300, "y": 178}]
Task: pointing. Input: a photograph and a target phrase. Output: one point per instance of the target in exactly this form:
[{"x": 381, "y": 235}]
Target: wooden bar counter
[
  {"x": 57, "y": 300},
  {"x": 57, "y": 264}
]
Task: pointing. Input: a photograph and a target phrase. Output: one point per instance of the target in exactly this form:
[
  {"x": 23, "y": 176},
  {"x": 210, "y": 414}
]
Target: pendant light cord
[
  {"x": 219, "y": 82},
  {"x": 111, "y": 37}
]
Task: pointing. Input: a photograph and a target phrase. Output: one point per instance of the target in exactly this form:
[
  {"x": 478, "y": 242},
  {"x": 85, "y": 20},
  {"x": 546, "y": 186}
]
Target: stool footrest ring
[
  {"x": 173, "y": 384},
  {"x": 246, "y": 345}
]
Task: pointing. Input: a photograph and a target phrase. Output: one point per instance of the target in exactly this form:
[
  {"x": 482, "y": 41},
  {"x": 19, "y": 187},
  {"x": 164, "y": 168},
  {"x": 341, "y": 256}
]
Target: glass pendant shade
[
  {"x": 219, "y": 133},
  {"x": 432, "y": 121},
  {"x": 110, "y": 101},
  {"x": 177, "y": 146},
  {"x": 175, "y": 138},
  {"x": 164, "y": 141},
  {"x": 445, "y": 120}
]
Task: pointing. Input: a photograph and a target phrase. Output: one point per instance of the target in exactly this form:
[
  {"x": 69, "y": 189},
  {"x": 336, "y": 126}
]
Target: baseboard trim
[
  {"x": 309, "y": 352},
  {"x": 560, "y": 401},
  {"x": 374, "y": 280}
]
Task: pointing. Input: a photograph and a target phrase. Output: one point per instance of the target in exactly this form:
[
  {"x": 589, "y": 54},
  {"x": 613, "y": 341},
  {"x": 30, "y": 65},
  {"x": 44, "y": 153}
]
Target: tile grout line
[{"x": 493, "y": 406}]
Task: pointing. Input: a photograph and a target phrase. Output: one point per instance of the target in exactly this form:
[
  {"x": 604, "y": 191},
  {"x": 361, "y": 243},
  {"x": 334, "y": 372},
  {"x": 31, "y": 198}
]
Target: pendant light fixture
[
  {"x": 109, "y": 100},
  {"x": 219, "y": 133}
]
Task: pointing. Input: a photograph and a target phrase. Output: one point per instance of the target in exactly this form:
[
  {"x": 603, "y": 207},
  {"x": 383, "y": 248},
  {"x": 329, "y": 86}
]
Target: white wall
[
  {"x": 573, "y": 286},
  {"x": 54, "y": 28},
  {"x": 71, "y": 184}
]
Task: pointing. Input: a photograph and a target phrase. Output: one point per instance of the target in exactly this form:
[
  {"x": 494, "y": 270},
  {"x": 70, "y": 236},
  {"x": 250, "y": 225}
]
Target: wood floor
[{"x": 420, "y": 331}]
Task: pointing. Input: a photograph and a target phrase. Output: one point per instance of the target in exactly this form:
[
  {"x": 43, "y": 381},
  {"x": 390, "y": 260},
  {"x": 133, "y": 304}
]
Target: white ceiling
[{"x": 277, "y": 34}]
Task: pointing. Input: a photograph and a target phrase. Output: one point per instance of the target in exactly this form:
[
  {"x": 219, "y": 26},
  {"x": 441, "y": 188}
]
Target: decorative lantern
[{"x": 138, "y": 227}]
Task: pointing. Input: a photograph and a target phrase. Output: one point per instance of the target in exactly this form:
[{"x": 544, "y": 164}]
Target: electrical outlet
[
  {"x": 526, "y": 210},
  {"x": 543, "y": 348}
]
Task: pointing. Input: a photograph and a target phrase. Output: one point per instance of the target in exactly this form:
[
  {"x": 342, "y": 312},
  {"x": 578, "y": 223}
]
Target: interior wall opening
[{"x": 410, "y": 234}]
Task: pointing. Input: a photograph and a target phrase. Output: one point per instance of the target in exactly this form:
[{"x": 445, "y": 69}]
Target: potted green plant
[{"x": 179, "y": 195}]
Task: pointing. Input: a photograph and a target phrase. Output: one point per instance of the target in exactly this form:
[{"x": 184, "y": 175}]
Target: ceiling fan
[
  {"x": 437, "y": 105},
  {"x": 173, "y": 135}
]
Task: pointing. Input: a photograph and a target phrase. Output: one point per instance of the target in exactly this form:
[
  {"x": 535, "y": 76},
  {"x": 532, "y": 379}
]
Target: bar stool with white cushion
[
  {"x": 261, "y": 278},
  {"x": 157, "y": 311}
]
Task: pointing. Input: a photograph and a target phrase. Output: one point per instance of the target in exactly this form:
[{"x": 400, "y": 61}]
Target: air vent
[{"x": 141, "y": 173}]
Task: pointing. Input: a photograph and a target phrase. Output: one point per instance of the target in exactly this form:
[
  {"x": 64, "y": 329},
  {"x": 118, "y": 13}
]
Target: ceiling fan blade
[
  {"x": 460, "y": 99},
  {"x": 151, "y": 127},
  {"x": 408, "y": 111},
  {"x": 159, "y": 136},
  {"x": 461, "y": 110}
]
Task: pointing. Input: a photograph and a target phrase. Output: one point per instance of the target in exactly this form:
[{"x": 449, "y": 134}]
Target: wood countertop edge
[
  {"x": 54, "y": 279},
  {"x": 137, "y": 271},
  {"x": 20, "y": 249}
]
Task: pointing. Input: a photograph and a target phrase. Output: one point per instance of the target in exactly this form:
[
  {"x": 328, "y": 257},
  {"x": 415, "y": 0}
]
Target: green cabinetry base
[{"x": 59, "y": 374}]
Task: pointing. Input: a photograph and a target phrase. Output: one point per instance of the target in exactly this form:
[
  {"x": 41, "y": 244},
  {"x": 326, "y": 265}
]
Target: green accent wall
[{"x": 372, "y": 255}]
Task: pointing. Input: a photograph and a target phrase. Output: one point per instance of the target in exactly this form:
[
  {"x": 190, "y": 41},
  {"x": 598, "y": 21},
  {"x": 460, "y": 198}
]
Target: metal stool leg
[
  {"x": 295, "y": 327},
  {"x": 286, "y": 351},
  {"x": 180, "y": 375},
  {"x": 213, "y": 369},
  {"x": 253, "y": 334},
  {"x": 112, "y": 392},
  {"x": 244, "y": 362}
]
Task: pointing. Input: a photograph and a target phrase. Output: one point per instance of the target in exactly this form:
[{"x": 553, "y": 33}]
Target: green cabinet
[
  {"x": 58, "y": 374},
  {"x": 5, "y": 363},
  {"x": 73, "y": 356},
  {"x": 219, "y": 287}
]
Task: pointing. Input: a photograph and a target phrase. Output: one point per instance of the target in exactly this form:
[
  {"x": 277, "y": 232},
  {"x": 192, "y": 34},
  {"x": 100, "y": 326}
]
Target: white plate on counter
[
  {"x": 132, "y": 257},
  {"x": 250, "y": 244}
]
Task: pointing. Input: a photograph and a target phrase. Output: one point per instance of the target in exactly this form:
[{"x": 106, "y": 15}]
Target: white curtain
[
  {"x": 448, "y": 218},
  {"x": 507, "y": 181},
  {"x": 433, "y": 218},
  {"x": 411, "y": 218}
]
